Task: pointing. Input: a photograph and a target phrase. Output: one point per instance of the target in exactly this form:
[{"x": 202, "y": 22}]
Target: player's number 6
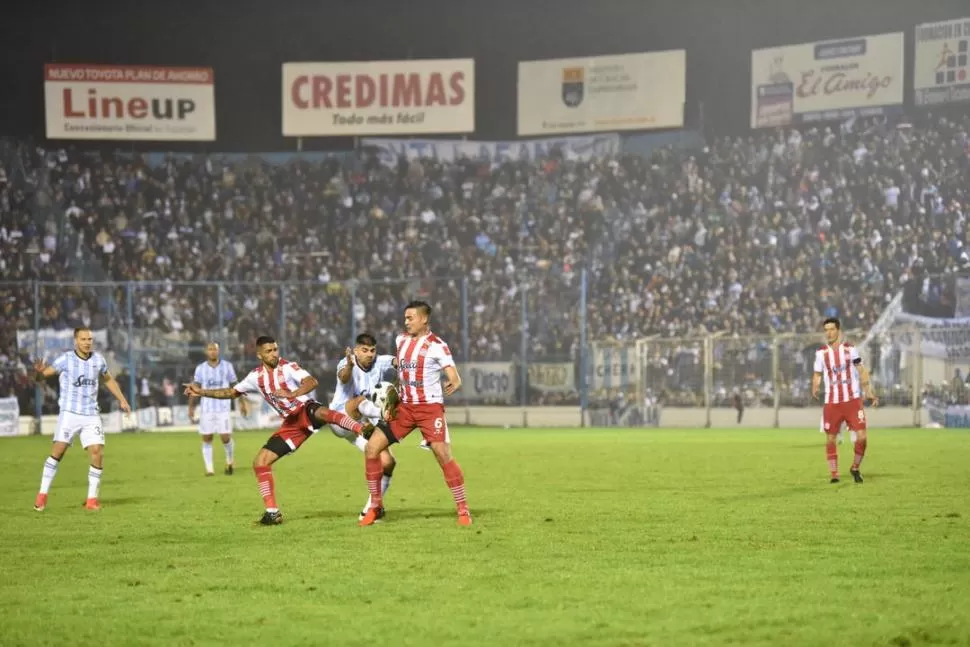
[{"x": 439, "y": 423}]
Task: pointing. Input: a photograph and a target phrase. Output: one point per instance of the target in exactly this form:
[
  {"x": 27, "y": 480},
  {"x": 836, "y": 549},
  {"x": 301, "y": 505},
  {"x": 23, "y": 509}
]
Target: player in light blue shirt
[
  {"x": 81, "y": 372},
  {"x": 216, "y": 417}
]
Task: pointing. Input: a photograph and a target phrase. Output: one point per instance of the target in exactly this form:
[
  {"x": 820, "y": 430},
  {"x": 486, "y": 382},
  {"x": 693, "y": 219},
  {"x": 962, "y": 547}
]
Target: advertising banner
[
  {"x": 614, "y": 366},
  {"x": 601, "y": 93},
  {"x": 131, "y": 102},
  {"x": 9, "y": 417},
  {"x": 941, "y": 71},
  {"x": 852, "y": 77},
  {"x": 379, "y": 98},
  {"x": 552, "y": 377},
  {"x": 488, "y": 381}
]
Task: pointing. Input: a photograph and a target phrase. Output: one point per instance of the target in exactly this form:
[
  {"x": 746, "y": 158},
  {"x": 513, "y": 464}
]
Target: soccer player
[
  {"x": 357, "y": 374},
  {"x": 286, "y": 387},
  {"x": 216, "y": 418},
  {"x": 81, "y": 370},
  {"x": 846, "y": 382},
  {"x": 421, "y": 359}
]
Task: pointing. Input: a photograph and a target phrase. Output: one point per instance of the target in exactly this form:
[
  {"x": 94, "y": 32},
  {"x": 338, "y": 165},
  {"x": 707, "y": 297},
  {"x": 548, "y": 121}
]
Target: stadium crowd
[{"x": 750, "y": 235}]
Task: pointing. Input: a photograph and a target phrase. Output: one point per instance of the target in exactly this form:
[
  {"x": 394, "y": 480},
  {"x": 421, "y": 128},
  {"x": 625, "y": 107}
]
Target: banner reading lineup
[
  {"x": 941, "y": 71},
  {"x": 851, "y": 77},
  {"x": 602, "y": 93},
  {"x": 131, "y": 102}
]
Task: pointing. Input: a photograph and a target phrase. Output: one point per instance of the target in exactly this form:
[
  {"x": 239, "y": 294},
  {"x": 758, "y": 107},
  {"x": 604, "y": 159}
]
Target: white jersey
[
  {"x": 420, "y": 361},
  {"x": 361, "y": 382},
  {"x": 839, "y": 366},
  {"x": 79, "y": 379},
  {"x": 266, "y": 381},
  {"x": 220, "y": 376}
]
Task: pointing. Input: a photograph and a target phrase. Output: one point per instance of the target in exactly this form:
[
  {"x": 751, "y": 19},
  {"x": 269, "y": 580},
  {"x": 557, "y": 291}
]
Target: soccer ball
[{"x": 381, "y": 393}]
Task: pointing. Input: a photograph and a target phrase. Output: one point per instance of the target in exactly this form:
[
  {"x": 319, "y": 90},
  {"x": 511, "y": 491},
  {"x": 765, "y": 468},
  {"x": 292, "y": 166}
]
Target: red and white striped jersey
[
  {"x": 420, "y": 361},
  {"x": 839, "y": 366},
  {"x": 266, "y": 381}
]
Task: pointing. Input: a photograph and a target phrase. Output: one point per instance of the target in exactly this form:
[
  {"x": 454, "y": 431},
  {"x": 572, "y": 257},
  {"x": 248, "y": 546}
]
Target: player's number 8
[{"x": 862, "y": 415}]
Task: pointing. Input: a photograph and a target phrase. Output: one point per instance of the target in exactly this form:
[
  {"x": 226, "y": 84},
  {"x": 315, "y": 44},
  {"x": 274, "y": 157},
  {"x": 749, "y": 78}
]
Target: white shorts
[
  {"x": 71, "y": 424},
  {"x": 214, "y": 424}
]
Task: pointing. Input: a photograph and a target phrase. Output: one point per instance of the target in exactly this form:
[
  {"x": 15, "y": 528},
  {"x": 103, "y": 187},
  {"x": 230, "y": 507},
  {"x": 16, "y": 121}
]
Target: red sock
[
  {"x": 264, "y": 477},
  {"x": 860, "y": 453},
  {"x": 373, "y": 470},
  {"x": 455, "y": 481},
  {"x": 832, "y": 454},
  {"x": 341, "y": 420}
]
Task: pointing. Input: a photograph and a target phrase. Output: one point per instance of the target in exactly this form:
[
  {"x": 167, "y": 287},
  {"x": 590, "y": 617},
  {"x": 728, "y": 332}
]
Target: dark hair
[
  {"x": 366, "y": 339},
  {"x": 419, "y": 305},
  {"x": 264, "y": 339},
  {"x": 79, "y": 330},
  {"x": 834, "y": 321}
]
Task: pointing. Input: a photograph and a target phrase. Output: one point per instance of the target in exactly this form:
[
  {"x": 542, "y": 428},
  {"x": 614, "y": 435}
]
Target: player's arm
[
  {"x": 346, "y": 371},
  {"x": 865, "y": 379},
  {"x": 110, "y": 383},
  {"x": 42, "y": 371},
  {"x": 817, "y": 375},
  {"x": 243, "y": 403},
  {"x": 454, "y": 380},
  {"x": 307, "y": 384},
  {"x": 194, "y": 400},
  {"x": 228, "y": 393}
]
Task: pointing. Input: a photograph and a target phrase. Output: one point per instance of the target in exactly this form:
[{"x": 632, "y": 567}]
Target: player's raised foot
[
  {"x": 229, "y": 469},
  {"x": 40, "y": 502},
  {"x": 390, "y": 405},
  {"x": 464, "y": 517},
  {"x": 380, "y": 515},
  {"x": 856, "y": 476},
  {"x": 91, "y": 504},
  {"x": 425, "y": 445},
  {"x": 372, "y": 516},
  {"x": 274, "y": 518}
]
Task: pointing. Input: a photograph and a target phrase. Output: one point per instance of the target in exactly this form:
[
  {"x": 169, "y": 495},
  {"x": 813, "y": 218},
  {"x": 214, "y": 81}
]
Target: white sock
[
  {"x": 50, "y": 471},
  {"x": 94, "y": 482},
  {"x": 207, "y": 456},
  {"x": 361, "y": 442},
  {"x": 230, "y": 448},
  {"x": 852, "y": 436},
  {"x": 385, "y": 483},
  {"x": 368, "y": 409}
]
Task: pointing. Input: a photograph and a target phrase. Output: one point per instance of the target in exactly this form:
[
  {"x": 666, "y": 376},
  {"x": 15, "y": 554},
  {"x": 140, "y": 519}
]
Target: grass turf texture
[{"x": 596, "y": 537}]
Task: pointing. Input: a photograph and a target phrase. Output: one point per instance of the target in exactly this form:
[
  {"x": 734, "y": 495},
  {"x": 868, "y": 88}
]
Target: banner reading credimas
[
  {"x": 941, "y": 71},
  {"x": 379, "y": 98},
  {"x": 614, "y": 366},
  {"x": 852, "y": 77},
  {"x": 136, "y": 102},
  {"x": 583, "y": 148},
  {"x": 597, "y": 93}
]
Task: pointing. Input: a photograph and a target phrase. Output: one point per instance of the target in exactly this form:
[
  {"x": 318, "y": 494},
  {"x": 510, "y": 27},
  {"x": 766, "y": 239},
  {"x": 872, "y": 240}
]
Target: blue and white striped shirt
[
  {"x": 79, "y": 382},
  {"x": 220, "y": 376}
]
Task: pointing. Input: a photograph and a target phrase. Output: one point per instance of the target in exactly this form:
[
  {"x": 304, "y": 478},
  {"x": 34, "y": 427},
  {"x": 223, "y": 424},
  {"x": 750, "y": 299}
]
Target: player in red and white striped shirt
[
  {"x": 422, "y": 357},
  {"x": 838, "y": 364},
  {"x": 286, "y": 387}
]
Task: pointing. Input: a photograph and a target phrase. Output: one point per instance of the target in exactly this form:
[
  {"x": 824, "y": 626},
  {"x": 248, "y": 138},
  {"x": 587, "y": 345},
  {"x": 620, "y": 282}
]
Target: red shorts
[
  {"x": 428, "y": 418},
  {"x": 851, "y": 413},
  {"x": 293, "y": 432}
]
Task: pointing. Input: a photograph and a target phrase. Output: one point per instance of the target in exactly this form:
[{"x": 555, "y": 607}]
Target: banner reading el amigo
[
  {"x": 379, "y": 98},
  {"x": 852, "y": 77}
]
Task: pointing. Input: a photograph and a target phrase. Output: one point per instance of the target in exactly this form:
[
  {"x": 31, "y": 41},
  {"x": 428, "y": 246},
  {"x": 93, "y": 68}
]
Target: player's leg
[
  {"x": 831, "y": 423},
  {"x": 206, "y": 431},
  {"x": 228, "y": 444},
  {"x": 350, "y": 408},
  {"x": 388, "y": 463},
  {"x": 377, "y": 444},
  {"x": 856, "y": 421},
  {"x": 434, "y": 428},
  {"x": 92, "y": 440},
  {"x": 320, "y": 415},
  {"x": 274, "y": 449},
  {"x": 64, "y": 434}
]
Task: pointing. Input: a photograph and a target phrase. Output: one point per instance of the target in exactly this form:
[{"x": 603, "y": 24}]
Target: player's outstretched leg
[
  {"x": 329, "y": 416},
  {"x": 832, "y": 457},
  {"x": 860, "y": 453}
]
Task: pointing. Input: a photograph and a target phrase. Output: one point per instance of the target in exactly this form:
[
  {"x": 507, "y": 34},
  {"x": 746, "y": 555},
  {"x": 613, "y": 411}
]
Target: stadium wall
[{"x": 550, "y": 417}]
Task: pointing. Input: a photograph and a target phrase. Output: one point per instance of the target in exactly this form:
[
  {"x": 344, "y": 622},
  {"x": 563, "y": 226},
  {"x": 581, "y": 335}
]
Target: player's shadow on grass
[
  {"x": 124, "y": 500},
  {"x": 433, "y": 513}
]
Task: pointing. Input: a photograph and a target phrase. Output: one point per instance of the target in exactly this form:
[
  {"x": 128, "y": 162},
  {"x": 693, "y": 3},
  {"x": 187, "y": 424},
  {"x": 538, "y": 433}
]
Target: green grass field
[{"x": 595, "y": 537}]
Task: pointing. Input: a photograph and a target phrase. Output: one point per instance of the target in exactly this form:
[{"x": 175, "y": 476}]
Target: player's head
[
  {"x": 212, "y": 351},
  {"x": 365, "y": 350},
  {"x": 416, "y": 317},
  {"x": 83, "y": 340},
  {"x": 832, "y": 328},
  {"x": 268, "y": 351}
]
